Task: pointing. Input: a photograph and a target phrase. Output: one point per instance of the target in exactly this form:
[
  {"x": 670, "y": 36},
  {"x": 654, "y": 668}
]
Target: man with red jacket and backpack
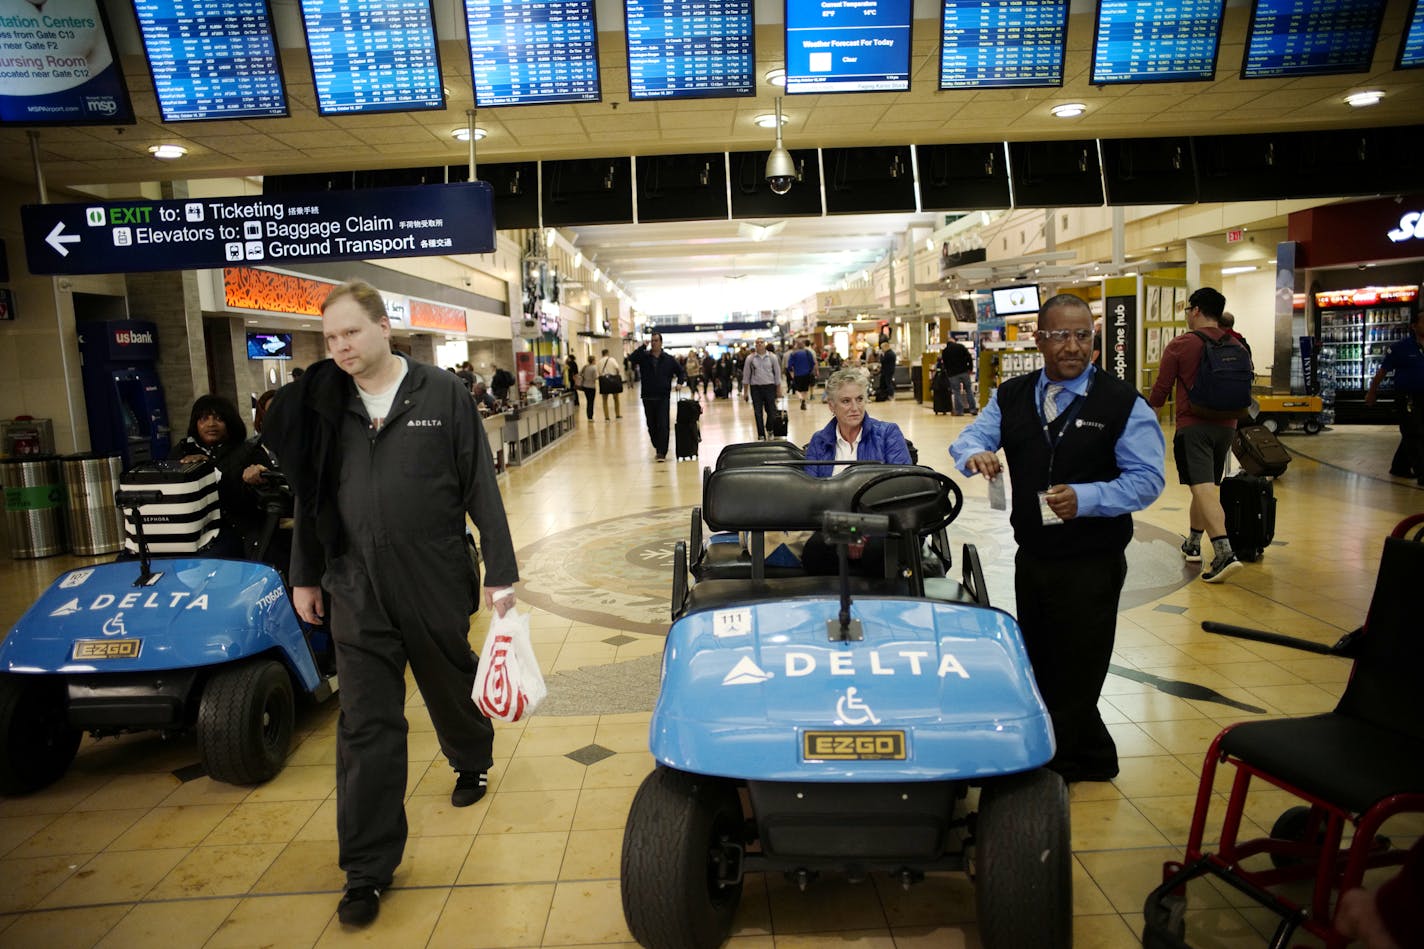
[{"x": 1212, "y": 375}]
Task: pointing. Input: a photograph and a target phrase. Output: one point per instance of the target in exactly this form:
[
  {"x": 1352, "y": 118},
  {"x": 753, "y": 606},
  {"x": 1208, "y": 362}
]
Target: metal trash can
[
  {"x": 96, "y": 525},
  {"x": 34, "y": 506}
]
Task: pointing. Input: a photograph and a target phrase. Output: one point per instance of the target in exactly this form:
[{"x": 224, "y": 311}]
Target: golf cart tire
[
  {"x": 39, "y": 742},
  {"x": 245, "y": 722},
  {"x": 1024, "y": 886},
  {"x": 671, "y": 899}
]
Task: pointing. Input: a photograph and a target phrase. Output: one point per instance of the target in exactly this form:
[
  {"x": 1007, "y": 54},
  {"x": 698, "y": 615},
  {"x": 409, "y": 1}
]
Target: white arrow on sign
[{"x": 57, "y": 239}]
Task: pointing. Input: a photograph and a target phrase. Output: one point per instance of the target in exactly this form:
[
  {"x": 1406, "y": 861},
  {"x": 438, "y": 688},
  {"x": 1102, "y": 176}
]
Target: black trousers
[
  {"x": 1409, "y": 456},
  {"x": 588, "y": 395},
  {"x": 1067, "y": 610},
  {"x": 380, "y": 623},
  {"x": 656, "y": 409},
  {"x": 763, "y": 404}
]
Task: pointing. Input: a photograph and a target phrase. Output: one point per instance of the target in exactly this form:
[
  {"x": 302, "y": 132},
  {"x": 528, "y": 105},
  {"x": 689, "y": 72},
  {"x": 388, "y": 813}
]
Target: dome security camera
[{"x": 780, "y": 170}]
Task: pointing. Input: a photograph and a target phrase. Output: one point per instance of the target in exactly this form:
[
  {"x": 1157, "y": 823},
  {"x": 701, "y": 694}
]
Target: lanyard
[{"x": 1067, "y": 416}]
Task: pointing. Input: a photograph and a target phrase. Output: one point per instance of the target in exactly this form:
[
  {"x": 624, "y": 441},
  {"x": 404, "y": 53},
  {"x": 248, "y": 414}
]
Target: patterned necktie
[{"x": 1050, "y": 402}]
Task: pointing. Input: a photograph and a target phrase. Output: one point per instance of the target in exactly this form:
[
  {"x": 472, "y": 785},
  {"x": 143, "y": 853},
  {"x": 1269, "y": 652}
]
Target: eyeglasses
[{"x": 1062, "y": 336}]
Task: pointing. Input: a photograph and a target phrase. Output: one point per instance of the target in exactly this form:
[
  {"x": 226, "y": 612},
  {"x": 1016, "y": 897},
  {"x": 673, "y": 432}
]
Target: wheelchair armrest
[{"x": 1345, "y": 648}]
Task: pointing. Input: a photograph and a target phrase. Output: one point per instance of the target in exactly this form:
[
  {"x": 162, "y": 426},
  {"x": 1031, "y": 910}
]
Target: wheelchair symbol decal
[
  {"x": 852, "y": 710},
  {"x": 114, "y": 625}
]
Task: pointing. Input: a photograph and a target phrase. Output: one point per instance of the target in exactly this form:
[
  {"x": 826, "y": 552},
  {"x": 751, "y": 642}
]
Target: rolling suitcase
[
  {"x": 776, "y": 423},
  {"x": 943, "y": 402},
  {"x": 1250, "y": 504},
  {"x": 1260, "y": 452},
  {"x": 686, "y": 431}
]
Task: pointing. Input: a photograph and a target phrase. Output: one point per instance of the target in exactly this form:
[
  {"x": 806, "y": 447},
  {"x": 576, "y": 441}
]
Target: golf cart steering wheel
[{"x": 945, "y": 492}]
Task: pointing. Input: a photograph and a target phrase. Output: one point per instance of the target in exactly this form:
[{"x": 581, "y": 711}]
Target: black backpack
[{"x": 1222, "y": 389}]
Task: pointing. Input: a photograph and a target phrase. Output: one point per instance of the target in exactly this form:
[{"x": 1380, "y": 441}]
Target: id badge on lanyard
[{"x": 1044, "y": 511}]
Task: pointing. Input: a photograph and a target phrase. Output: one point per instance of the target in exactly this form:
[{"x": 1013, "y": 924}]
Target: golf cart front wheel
[
  {"x": 1024, "y": 886},
  {"x": 245, "y": 722},
  {"x": 38, "y": 741},
  {"x": 678, "y": 891}
]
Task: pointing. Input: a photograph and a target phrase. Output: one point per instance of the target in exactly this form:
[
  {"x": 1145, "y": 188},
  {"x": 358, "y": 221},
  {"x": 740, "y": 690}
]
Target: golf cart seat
[{"x": 724, "y": 557}]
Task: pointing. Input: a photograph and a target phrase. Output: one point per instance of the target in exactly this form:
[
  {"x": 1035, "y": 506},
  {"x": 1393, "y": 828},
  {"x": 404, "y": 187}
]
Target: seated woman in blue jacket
[{"x": 851, "y": 435}]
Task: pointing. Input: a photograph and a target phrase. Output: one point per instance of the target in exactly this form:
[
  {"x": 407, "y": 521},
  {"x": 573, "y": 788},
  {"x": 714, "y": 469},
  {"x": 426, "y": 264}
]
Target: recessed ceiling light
[
  {"x": 462, "y": 134},
  {"x": 167, "y": 152},
  {"x": 1361, "y": 99},
  {"x": 1069, "y": 110},
  {"x": 768, "y": 121},
  {"x": 1229, "y": 271},
  {"x": 776, "y": 77}
]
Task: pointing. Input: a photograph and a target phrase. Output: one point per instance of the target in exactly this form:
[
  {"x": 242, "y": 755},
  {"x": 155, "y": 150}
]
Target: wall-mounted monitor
[
  {"x": 212, "y": 61},
  {"x": 1017, "y": 300},
  {"x": 682, "y": 50},
  {"x": 372, "y": 56},
  {"x": 525, "y": 53},
  {"x": 848, "y": 46},
  {"x": 1311, "y": 37},
  {"x": 60, "y": 74},
  {"x": 1153, "y": 41},
  {"x": 1411, "y": 47},
  {"x": 1002, "y": 43},
  {"x": 269, "y": 345}
]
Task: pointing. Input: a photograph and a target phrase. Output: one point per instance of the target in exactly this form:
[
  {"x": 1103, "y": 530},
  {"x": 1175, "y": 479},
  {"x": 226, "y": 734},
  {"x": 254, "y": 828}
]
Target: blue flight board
[
  {"x": 265, "y": 231},
  {"x": 1002, "y": 43},
  {"x": 57, "y": 66},
  {"x": 1411, "y": 48},
  {"x": 1311, "y": 37},
  {"x": 848, "y": 46},
  {"x": 373, "y": 55},
  {"x": 533, "y": 52},
  {"x": 1156, "y": 41},
  {"x": 212, "y": 59},
  {"x": 690, "y": 49}
]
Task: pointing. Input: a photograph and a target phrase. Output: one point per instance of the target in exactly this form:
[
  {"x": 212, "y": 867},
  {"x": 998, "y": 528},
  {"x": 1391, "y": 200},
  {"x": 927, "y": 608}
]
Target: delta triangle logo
[
  {"x": 746, "y": 672},
  {"x": 67, "y": 609}
]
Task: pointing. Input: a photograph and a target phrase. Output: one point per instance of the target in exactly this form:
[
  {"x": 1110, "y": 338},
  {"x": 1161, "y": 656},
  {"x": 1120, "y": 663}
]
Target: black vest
[{"x": 1084, "y": 454}]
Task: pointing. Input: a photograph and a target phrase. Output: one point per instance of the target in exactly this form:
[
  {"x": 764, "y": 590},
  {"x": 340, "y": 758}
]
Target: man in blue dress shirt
[{"x": 1085, "y": 452}]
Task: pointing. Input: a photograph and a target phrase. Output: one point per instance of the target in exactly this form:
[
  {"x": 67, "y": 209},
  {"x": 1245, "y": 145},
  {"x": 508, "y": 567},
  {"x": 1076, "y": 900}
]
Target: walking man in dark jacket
[
  {"x": 386, "y": 457},
  {"x": 657, "y": 371}
]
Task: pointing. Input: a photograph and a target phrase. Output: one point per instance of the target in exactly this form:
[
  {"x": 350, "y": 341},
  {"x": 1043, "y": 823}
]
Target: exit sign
[{"x": 1236, "y": 236}]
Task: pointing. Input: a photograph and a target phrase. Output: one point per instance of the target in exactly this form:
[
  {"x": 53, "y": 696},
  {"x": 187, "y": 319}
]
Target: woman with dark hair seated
[
  {"x": 217, "y": 433},
  {"x": 851, "y": 435}
]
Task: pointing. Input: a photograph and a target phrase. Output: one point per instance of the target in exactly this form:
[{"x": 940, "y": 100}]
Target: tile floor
[{"x": 124, "y": 852}]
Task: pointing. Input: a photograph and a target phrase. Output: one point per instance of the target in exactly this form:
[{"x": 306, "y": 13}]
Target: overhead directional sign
[{"x": 201, "y": 233}]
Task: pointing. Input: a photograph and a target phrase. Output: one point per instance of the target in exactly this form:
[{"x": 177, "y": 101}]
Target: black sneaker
[
  {"x": 470, "y": 786},
  {"x": 1221, "y": 568},
  {"x": 1191, "y": 552},
  {"x": 359, "y": 906}
]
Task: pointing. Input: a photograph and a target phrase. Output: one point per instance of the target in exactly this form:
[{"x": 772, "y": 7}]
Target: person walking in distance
[
  {"x": 1405, "y": 359},
  {"x": 956, "y": 364},
  {"x": 610, "y": 382},
  {"x": 801, "y": 367},
  {"x": 761, "y": 383},
  {"x": 658, "y": 371},
  {"x": 1202, "y": 441},
  {"x": 1085, "y": 452},
  {"x": 588, "y": 382},
  {"x": 887, "y": 372},
  {"x": 386, "y": 457}
]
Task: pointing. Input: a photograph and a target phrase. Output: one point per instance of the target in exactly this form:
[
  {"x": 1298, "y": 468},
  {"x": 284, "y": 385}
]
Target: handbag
[
  {"x": 609, "y": 383},
  {"x": 508, "y": 683}
]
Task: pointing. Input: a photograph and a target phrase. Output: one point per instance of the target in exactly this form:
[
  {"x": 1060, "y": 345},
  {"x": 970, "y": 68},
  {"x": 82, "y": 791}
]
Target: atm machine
[{"x": 127, "y": 412}]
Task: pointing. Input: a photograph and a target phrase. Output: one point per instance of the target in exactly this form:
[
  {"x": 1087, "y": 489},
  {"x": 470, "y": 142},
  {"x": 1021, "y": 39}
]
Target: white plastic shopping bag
[{"x": 508, "y": 683}]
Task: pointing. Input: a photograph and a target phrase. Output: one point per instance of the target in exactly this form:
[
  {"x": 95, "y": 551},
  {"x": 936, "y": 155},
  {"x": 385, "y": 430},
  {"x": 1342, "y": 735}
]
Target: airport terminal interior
[{"x": 131, "y": 848}]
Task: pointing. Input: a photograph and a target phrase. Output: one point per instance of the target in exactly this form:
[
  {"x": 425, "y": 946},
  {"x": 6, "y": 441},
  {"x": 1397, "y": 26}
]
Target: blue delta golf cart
[
  {"x": 812, "y": 724},
  {"x": 169, "y": 641}
]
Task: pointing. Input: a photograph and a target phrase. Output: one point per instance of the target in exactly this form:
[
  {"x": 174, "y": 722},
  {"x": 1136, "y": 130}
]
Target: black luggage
[
  {"x": 776, "y": 423},
  {"x": 1250, "y": 505},
  {"x": 722, "y": 388},
  {"x": 686, "y": 432},
  {"x": 943, "y": 400},
  {"x": 1260, "y": 452}
]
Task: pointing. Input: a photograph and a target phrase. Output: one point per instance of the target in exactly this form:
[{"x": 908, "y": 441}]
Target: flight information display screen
[
  {"x": 1311, "y": 37},
  {"x": 998, "y": 43},
  {"x": 1411, "y": 48},
  {"x": 524, "y": 53},
  {"x": 212, "y": 59},
  {"x": 848, "y": 45},
  {"x": 689, "y": 49},
  {"x": 1156, "y": 40},
  {"x": 373, "y": 55}
]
